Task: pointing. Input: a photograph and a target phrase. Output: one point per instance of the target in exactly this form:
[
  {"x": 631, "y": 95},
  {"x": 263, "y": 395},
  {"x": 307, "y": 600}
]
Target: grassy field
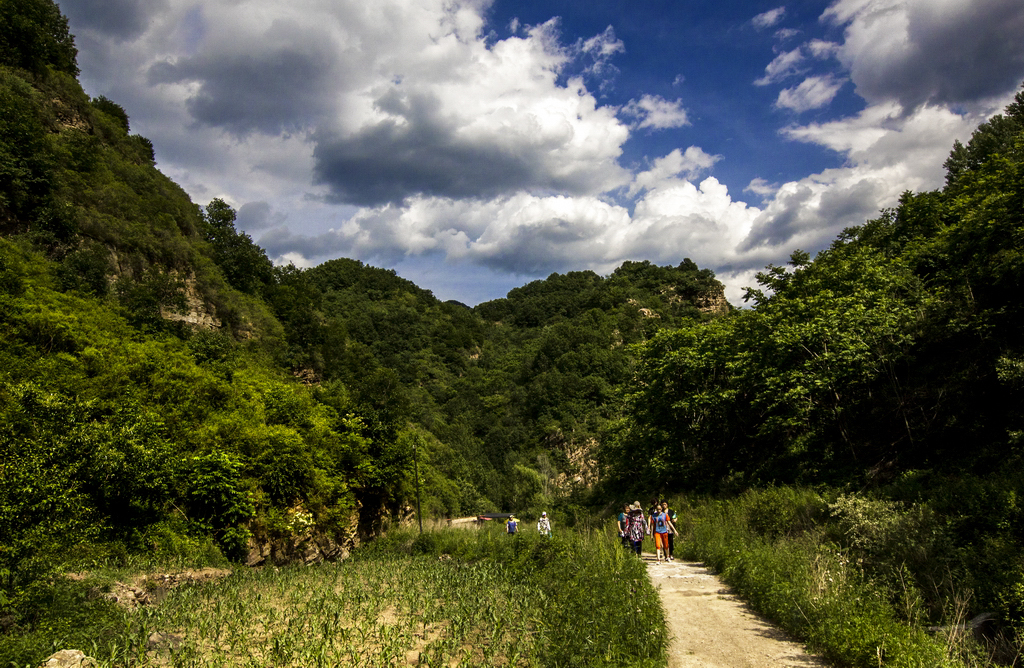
[{"x": 446, "y": 598}]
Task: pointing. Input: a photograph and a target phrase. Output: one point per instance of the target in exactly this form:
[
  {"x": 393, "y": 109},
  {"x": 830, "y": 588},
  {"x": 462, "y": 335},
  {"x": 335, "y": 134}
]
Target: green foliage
[
  {"x": 44, "y": 510},
  {"x": 145, "y": 299},
  {"x": 113, "y": 429},
  {"x": 26, "y": 168},
  {"x": 216, "y": 499},
  {"x": 112, "y": 109},
  {"x": 34, "y": 35},
  {"x": 881, "y": 354},
  {"x": 245, "y": 265},
  {"x": 65, "y": 614},
  {"x": 11, "y": 282},
  {"x": 86, "y": 270},
  {"x": 815, "y": 591}
]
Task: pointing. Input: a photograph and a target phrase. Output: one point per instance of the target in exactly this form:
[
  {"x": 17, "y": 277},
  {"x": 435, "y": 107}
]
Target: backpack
[{"x": 637, "y": 527}]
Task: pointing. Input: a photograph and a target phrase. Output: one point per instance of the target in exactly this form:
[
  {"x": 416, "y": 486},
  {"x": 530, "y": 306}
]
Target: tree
[
  {"x": 34, "y": 35},
  {"x": 245, "y": 265},
  {"x": 44, "y": 509},
  {"x": 112, "y": 109}
]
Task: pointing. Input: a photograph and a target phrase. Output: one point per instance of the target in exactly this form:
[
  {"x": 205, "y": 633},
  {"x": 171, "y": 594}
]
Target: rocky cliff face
[
  {"x": 299, "y": 541},
  {"x": 198, "y": 312},
  {"x": 714, "y": 303}
]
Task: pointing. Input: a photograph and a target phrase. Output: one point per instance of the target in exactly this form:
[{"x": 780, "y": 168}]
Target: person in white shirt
[{"x": 544, "y": 525}]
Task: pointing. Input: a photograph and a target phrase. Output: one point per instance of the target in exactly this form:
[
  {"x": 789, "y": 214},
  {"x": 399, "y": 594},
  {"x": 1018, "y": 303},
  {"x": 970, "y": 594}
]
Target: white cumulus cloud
[
  {"x": 654, "y": 111},
  {"x": 783, "y": 66},
  {"x": 769, "y": 18},
  {"x": 689, "y": 164},
  {"x": 812, "y": 93}
]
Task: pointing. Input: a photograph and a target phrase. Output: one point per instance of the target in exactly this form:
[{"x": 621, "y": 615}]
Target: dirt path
[{"x": 711, "y": 628}]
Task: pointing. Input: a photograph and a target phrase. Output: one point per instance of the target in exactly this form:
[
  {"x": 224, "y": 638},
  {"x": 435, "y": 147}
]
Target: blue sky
[
  {"x": 474, "y": 146},
  {"x": 706, "y": 54}
]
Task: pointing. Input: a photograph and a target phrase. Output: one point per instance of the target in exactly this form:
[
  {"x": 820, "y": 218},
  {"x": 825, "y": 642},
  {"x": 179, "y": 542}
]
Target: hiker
[
  {"x": 624, "y": 526},
  {"x": 660, "y": 526},
  {"x": 544, "y": 525},
  {"x": 672, "y": 531},
  {"x": 511, "y": 525},
  {"x": 637, "y": 527}
]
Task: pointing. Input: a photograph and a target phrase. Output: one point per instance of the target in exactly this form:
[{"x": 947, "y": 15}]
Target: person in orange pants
[{"x": 660, "y": 527}]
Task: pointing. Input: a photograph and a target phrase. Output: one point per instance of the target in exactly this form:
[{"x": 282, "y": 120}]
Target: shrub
[
  {"x": 85, "y": 270},
  {"x": 217, "y": 500},
  {"x": 782, "y": 511}
]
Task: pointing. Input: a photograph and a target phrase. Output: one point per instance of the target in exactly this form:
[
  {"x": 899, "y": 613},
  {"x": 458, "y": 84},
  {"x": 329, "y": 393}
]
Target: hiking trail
[{"x": 710, "y": 627}]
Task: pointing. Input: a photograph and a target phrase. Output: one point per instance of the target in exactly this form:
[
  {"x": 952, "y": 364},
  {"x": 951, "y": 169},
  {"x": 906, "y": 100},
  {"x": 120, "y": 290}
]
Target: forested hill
[
  {"x": 894, "y": 354},
  {"x": 164, "y": 387}
]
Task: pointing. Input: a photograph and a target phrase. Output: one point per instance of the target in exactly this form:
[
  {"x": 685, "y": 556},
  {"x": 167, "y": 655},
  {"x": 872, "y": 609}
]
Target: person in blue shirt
[
  {"x": 624, "y": 526},
  {"x": 661, "y": 526},
  {"x": 511, "y": 525}
]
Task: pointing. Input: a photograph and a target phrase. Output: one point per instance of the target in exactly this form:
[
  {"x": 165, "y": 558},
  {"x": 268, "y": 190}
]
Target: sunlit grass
[
  {"x": 807, "y": 586},
  {"x": 448, "y": 598}
]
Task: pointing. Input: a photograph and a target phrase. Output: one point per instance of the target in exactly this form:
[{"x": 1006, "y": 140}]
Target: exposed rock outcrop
[
  {"x": 198, "y": 313},
  {"x": 582, "y": 472},
  {"x": 299, "y": 541},
  {"x": 308, "y": 549},
  {"x": 69, "y": 658},
  {"x": 714, "y": 303}
]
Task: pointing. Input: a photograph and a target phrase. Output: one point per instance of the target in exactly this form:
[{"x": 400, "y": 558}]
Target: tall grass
[
  {"x": 451, "y": 597},
  {"x": 596, "y": 605},
  {"x": 766, "y": 545}
]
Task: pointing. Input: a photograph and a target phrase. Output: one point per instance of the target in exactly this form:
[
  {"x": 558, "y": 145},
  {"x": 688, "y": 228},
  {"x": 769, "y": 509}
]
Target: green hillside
[
  {"x": 163, "y": 385},
  {"x": 168, "y": 394}
]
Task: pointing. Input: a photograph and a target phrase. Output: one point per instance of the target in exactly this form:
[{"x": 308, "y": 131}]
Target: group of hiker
[
  {"x": 634, "y": 525},
  {"x": 543, "y": 525},
  {"x": 659, "y": 522}
]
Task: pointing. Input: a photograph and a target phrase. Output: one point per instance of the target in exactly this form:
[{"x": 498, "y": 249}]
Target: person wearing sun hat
[{"x": 544, "y": 525}]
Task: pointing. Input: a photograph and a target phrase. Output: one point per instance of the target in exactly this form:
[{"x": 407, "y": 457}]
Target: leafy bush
[
  {"x": 217, "y": 500},
  {"x": 26, "y": 167},
  {"x": 86, "y": 271},
  {"x": 64, "y": 614},
  {"x": 145, "y": 299},
  {"x": 782, "y": 511},
  {"x": 112, "y": 109}
]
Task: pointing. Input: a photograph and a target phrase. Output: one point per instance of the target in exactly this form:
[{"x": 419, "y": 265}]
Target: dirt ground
[{"x": 711, "y": 628}]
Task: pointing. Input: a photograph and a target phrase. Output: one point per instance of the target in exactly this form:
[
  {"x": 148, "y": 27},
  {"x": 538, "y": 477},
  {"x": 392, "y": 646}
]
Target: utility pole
[{"x": 416, "y": 464}]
